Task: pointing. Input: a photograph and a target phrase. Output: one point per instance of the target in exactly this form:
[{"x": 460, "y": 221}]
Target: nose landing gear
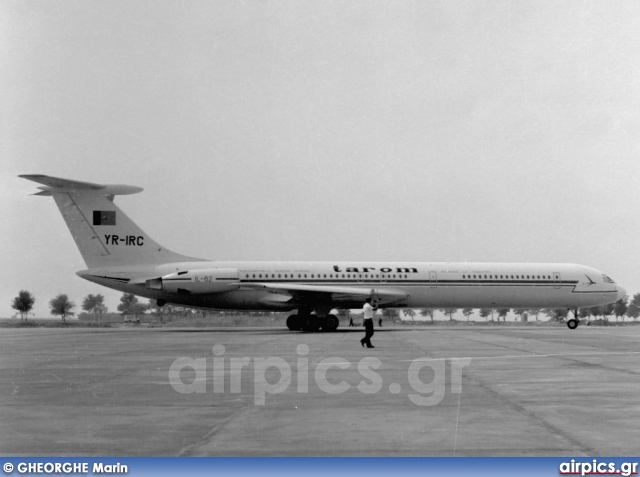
[{"x": 573, "y": 322}]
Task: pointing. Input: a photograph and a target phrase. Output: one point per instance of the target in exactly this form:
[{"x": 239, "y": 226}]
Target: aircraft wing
[{"x": 336, "y": 294}]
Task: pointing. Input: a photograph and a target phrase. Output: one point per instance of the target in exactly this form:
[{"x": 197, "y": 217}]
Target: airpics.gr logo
[{"x": 104, "y": 217}]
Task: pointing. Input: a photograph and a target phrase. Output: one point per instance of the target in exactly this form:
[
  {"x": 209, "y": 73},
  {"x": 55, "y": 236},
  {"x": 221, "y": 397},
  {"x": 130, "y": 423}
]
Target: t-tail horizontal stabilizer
[
  {"x": 105, "y": 235},
  {"x": 58, "y": 185}
]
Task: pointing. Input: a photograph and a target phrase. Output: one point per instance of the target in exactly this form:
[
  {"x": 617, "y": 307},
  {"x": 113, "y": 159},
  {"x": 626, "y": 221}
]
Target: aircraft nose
[{"x": 621, "y": 292}]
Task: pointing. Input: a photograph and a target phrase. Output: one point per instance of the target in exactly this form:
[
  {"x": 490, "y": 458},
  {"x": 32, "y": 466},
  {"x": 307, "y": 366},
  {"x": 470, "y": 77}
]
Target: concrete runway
[{"x": 526, "y": 391}]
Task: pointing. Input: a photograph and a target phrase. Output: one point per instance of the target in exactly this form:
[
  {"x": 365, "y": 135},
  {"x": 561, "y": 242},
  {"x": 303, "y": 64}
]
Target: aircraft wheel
[
  {"x": 293, "y": 323},
  {"x": 330, "y": 323},
  {"x": 313, "y": 324},
  {"x": 572, "y": 324}
]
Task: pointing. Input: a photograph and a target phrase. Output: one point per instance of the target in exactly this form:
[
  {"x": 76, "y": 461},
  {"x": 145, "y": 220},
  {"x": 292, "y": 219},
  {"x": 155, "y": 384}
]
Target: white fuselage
[{"x": 423, "y": 285}]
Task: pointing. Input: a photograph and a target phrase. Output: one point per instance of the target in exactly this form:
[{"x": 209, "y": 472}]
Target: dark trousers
[{"x": 368, "y": 333}]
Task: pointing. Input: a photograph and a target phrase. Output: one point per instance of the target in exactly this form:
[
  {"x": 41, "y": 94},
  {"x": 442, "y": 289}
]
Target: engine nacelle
[{"x": 208, "y": 280}]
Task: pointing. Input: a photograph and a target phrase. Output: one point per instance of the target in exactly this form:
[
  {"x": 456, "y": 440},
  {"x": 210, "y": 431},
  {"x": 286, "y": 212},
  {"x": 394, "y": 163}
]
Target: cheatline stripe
[
  {"x": 400, "y": 280},
  {"x": 123, "y": 280},
  {"x": 324, "y": 281}
]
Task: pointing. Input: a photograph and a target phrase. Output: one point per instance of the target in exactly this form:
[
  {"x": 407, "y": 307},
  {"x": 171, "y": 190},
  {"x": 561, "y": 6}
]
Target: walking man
[{"x": 368, "y": 323}]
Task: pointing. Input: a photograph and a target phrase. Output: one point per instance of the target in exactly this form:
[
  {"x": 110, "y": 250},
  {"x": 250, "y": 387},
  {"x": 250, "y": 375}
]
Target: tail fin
[{"x": 104, "y": 234}]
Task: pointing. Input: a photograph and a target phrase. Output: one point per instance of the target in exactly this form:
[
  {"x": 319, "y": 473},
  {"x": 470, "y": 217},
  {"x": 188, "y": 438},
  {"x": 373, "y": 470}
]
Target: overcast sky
[{"x": 325, "y": 130}]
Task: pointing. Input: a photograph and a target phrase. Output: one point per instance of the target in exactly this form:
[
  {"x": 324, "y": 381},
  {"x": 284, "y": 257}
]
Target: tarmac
[{"x": 427, "y": 391}]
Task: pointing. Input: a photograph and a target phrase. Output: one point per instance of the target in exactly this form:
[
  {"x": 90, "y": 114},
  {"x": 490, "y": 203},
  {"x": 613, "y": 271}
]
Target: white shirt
[{"x": 368, "y": 311}]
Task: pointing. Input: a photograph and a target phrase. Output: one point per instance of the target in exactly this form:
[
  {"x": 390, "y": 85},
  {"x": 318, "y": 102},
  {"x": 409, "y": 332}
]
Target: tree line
[
  {"x": 619, "y": 309},
  {"x": 130, "y": 306}
]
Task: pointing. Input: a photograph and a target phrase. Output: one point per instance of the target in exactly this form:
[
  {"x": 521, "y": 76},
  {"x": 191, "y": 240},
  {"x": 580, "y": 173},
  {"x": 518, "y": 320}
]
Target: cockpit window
[{"x": 606, "y": 279}]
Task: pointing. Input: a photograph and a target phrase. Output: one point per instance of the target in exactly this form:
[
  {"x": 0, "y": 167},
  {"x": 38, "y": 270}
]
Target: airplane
[{"x": 121, "y": 256}]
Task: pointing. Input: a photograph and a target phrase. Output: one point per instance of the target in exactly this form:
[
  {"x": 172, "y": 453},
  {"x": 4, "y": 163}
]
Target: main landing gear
[
  {"x": 305, "y": 321},
  {"x": 573, "y": 322}
]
